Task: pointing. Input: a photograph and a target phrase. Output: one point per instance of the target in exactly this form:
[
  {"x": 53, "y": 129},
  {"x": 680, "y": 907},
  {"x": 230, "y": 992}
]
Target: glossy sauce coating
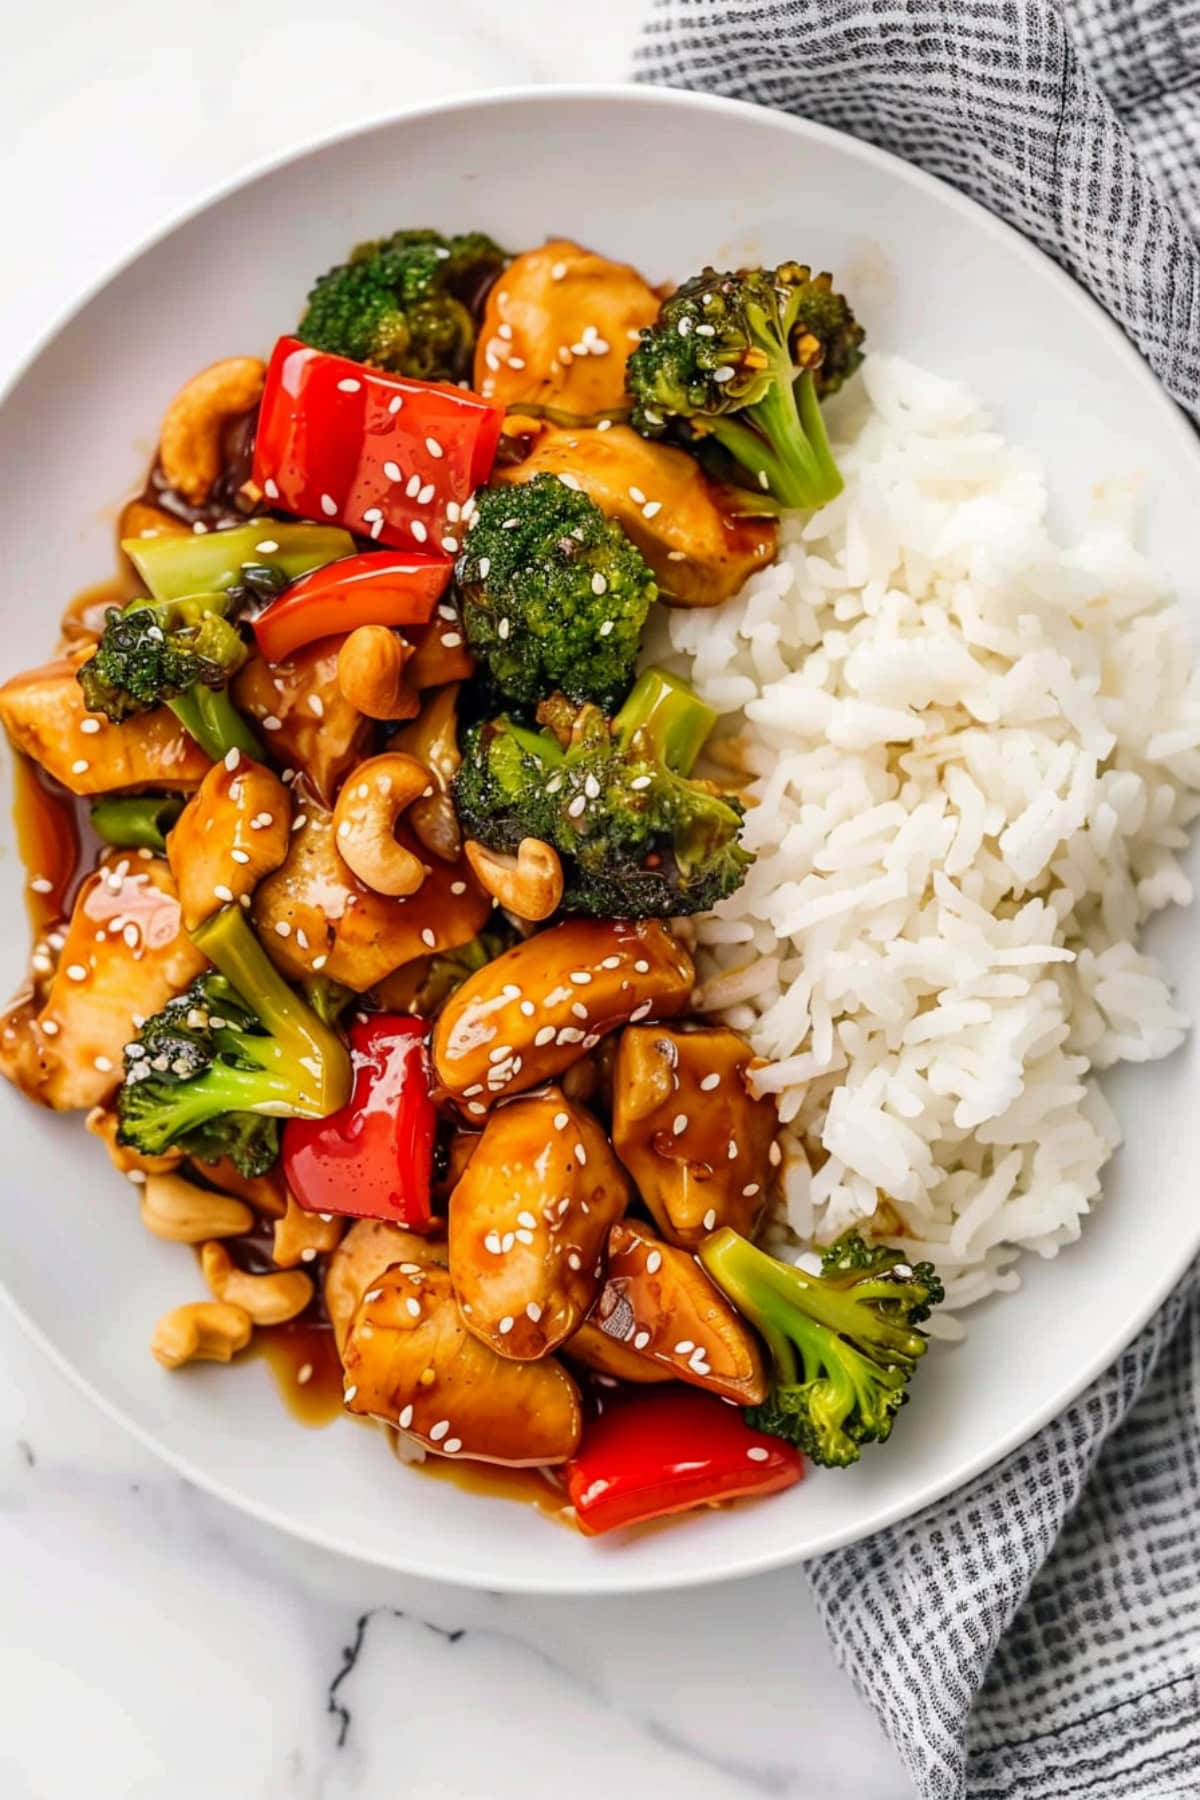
[
  {"x": 411, "y": 1361},
  {"x": 658, "y": 1303},
  {"x": 548, "y": 1001},
  {"x": 44, "y": 714},
  {"x": 316, "y": 916},
  {"x": 304, "y": 716},
  {"x": 687, "y": 1128},
  {"x": 234, "y": 830},
  {"x": 529, "y": 1222}
]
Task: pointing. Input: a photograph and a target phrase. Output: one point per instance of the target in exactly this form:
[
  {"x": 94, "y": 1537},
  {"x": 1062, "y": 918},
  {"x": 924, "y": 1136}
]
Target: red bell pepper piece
[
  {"x": 387, "y": 457},
  {"x": 374, "y": 1158},
  {"x": 643, "y": 1458},
  {"x": 379, "y": 587}
]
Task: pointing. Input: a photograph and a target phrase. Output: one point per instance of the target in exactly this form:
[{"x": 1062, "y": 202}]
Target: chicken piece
[
  {"x": 529, "y": 1222},
  {"x": 233, "y": 831},
  {"x": 558, "y": 329},
  {"x": 695, "y": 1140},
  {"x": 125, "y": 954},
  {"x": 694, "y": 533},
  {"x": 367, "y": 1251},
  {"x": 103, "y": 1123},
  {"x": 440, "y": 653},
  {"x": 658, "y": 1303},
  {"x": 305, "y": 717},
  {"x": 548, "y": 1001},
  {"x": 44, "y": 715},
  {"x": 411, "y": 1361},
  {"x": 592, "y": 1348},
  {"x": 316, "y": 917}
]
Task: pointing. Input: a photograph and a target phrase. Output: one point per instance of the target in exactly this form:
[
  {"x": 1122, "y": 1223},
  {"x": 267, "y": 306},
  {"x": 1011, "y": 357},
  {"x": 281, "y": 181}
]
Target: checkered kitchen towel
[{"x": 1038, "y": 1633}]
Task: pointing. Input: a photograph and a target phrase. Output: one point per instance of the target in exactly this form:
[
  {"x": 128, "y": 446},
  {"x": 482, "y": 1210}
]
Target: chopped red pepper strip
[
  {"x": 387, "y": 457},
  {"x": 667, "y": 1452},
  {"x": 374, "y": 1158},
  {"x": 379, "y": 587}
]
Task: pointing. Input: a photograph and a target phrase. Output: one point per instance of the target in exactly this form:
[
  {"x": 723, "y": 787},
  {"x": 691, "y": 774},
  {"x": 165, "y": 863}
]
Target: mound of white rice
[{"x": 974, "y": 755}]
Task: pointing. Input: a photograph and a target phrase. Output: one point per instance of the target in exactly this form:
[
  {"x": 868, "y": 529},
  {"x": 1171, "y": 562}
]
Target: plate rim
[{"x": 1173, "y": 423}]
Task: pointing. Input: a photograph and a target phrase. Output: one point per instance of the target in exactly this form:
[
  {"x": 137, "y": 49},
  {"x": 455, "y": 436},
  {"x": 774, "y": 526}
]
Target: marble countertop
[{"x": 153, "y": 1641}]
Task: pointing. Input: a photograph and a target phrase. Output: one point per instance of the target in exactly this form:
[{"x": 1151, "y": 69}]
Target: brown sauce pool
[
  {"x": 47, "y": 829},
  {"x": 528, "y": 1487},
  {"x": 308, "y": 1372}
]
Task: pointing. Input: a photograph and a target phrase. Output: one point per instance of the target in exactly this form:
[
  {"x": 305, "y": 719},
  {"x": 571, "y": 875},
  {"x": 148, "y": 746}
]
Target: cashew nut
[
  {"x": 433, "y": 739},
  {"x": 189, "y": 445},
  {"x": 364, "y": 822},
  {"x": 267, "y": 1299},
  {"x": 529, "y": 884},
  {"x": 186, "y": 1214},
  {"x": 370, "y": 669},
  {"x": 202, "y": 1331},
  {"x": 300, "y": 1237}
]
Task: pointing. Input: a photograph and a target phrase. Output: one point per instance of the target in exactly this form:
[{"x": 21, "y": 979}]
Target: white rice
[{"x": 974, "y": 754}]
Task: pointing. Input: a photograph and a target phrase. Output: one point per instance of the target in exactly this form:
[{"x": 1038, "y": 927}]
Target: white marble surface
[{"x": 154, "y": 1643}]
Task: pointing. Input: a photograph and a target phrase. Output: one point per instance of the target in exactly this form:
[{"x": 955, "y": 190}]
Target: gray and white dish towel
[{"x": 1037, "y": 1634}]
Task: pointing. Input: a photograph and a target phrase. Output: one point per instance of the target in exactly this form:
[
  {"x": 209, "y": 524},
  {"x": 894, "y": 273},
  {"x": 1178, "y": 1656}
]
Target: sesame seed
[
  {"x": 41, "y": 884},
  {"x": 560, "y": 1121},
  {"x": 637, "y": 496},
  {"x": 90, "y": 726},
  {"x": 452, "y": 639},
  {"x": 756, "y": 1453},
  {"x": 733, "y": 1150},
  {"x": 533, "y": 1312},
  {"x": 419, "y": 532},
  {"x": 502, "y": 629},
  {"x": 580, "y": 1156},
  {"x": 774, "y": 1156},
  {"x": 577, "y": 805},
  {"x": 476, "y": 1107},
  {"x": 750, "y": 1189},
  {"x": 605, "y": 628},
  {"x": 433, "y": 447},
  {"x": 679, "y": 1124},
  {"x": 395, "y": 403},
  {"x": 319, "y": 962},
  {"x": 308, "y": 1254},
  {"x": 544, "y": 1036},
  {"x": 572, "y": 482},
  {"x": 516, "y": 362},
  {"x": 349, "y": 384},
  {"x": 641, "y": 966},
  {"x": 449, "y": 544},
  {"x": 641, "y": 1340},
  {"x": 706, "y": 331},
  {"x": 580, "y": 977},
  {"x": 651, "y": 508},
  {"x": 684, "y": 1347},
  {"x": 328, "y": 506},
  {"x": 271, "y": 723},
  {"x": 506, "y": 1325},
  {"x": 130, "y": 935},
  {"x": 579, "y": 1009},
  {"x": 710, "y": 1082},
  {"x": 426, "y": 493},
  {"x": 49, "y": 1027},
  {"x": 316, "y": 706},
  {"x": 282, "y": 928},
  {"x": 458, "y": 887},
  {"x": 452, "y": 1446},
  {"x": 573, "y": 1262},
  {"x": 710, "y": 1219},
  {"x": 304, "y": 1374},
  {"x": 80, "y": 767},
  {"x": 223, "y": 893},
  {"x": 240, "y": 856},
  {"x": 429, "y": 937},
  {"x": 413, "y": 486},
  {"x": 639, "y": 1012},
  {"x": 371, "y": 514},
  {"x": 558, "y": 271},
  {"x": 654, "y": 1262},
  {"x": 270, "y": 489},
  {"x": 393, "y": 471},
  {"x": 349, "y": 1394},
  {"x": 723, "y": 374}
]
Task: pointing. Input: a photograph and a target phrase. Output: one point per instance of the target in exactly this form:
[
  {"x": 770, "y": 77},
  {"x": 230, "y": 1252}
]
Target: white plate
[{"x": 668, "y": 181}]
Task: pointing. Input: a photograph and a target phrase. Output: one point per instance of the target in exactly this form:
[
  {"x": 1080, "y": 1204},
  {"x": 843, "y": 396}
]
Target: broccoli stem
[
  {"x": 787, "y": 443},
  {"x": 176, "y": 566},
  {"x": 310, "y": 1059},
  {"x": 136, "y": 821},
  {"x": 672, "y": 719},
  {"x": 209, "y": 715}
]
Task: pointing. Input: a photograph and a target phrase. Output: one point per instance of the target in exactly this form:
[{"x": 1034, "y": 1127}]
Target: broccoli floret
[
  {"x": 638, "y": 837},
  {"x": 405, "y": 303},
  {"x": 178, "y": 653},
  {"x": 743, "y": 361},
  {"x": 554, "y": 594},
  {"x": 843, "y": 1344},
  {"x": 213, "y": 1071}
]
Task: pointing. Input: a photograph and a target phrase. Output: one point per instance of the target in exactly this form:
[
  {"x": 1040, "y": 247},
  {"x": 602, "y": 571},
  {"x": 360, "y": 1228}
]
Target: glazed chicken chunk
[
  {"x": 233, "y": 831},
  {"x": 693, "y": 1137},
  {"x": 411, "y": 1361},
  {"x": 529, "y": 1221},
  {"x": 547, "y": 1002}
]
